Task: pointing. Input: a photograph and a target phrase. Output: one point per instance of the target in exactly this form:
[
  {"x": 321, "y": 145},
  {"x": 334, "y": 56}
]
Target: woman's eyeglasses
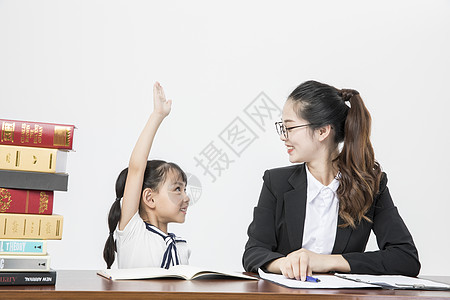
[{"x": 283, "y": 130}]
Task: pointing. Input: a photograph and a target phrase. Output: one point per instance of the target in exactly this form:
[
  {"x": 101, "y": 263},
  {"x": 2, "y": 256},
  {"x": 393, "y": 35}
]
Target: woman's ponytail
[
  {"x": 360, "y": 172},
  {"x": 113, "y": 220}
]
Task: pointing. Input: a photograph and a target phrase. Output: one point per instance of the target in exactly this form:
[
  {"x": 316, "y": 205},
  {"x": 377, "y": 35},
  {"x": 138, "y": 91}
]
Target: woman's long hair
[
  {"x": 321, "y": 104},
  {"x": 155, "y": 174}
]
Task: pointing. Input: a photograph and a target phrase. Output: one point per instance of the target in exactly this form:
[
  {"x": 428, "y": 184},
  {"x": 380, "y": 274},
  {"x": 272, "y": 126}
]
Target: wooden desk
[{"x": 87, "y": 285}]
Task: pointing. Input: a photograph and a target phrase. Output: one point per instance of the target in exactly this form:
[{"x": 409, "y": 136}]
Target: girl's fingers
[
  {"x": 155, "y": 91},
  {"x": 160, "y": 104},
  {"x": 161, "y": 93}
]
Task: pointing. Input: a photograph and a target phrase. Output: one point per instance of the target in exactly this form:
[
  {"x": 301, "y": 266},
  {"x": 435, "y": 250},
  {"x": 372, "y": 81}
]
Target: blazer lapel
[
  {"x": 295, "y": 207},
  {"x": 342, "y": 237}
]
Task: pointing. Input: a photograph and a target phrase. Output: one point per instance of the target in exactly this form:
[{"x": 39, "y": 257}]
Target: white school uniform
[{"x": 137, "y": 247}]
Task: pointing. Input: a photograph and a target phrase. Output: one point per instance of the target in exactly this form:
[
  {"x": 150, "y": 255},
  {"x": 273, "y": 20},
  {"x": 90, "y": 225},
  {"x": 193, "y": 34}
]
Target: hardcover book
[
  {"x": 20, "y": 158},
  {"x": 23, "y": 247},
  {"x": 23, "y": 226},
  {"x": 26, "y": 201},
  {"x": 179, "y": 271},
  {"x": 36, "y": 134},
  {"x": 28, "y": 278},
  {"x": 34, "y": 180},
  {"x": 20, "y": 263}
]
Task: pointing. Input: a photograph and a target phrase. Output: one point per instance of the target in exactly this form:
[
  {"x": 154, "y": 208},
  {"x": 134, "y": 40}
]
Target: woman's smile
[{"x": 289, "y": 148}]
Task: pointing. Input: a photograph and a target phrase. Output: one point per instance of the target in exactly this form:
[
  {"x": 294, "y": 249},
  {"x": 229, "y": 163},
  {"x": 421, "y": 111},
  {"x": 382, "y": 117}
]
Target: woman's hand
[
  {"x": 301, "y": 263},
  {"x": 161, "y": 106}
]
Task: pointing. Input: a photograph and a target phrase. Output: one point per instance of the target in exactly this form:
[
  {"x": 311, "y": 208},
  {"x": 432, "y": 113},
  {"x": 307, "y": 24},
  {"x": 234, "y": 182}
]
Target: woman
[{"x": 317, "y": 216}]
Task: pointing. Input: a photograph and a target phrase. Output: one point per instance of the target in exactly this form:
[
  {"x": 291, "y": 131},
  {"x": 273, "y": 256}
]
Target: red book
[
  {"x": 36, "y": 134},
  {"x": 26, "y": 201}
]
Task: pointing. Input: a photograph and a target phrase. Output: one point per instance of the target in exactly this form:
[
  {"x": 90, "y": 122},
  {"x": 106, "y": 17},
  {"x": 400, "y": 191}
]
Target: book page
[
  {"x": 186, "y": 271},
  {"x": 180, "y": 271},
  {"x": 192, "y": 272},
  {"x": 326, "y": 282},
  {"x": 136, "y": 273}
]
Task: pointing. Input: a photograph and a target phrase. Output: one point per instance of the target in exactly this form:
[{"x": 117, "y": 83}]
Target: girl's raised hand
[{"x": 161, "y": 106}]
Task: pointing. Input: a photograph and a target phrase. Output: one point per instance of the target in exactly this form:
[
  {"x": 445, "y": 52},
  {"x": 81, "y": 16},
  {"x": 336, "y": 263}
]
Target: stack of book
[{"x": 33, "y": 158}]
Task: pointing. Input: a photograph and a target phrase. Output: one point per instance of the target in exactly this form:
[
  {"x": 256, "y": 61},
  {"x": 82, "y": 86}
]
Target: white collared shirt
[
  {"x": 322, "y": 208},
  {"x": 137, "y": 247}
]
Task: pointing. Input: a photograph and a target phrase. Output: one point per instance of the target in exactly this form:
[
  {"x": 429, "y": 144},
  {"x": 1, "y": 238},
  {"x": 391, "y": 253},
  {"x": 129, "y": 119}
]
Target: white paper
[
  {"x": 395, "y": 280},
  {"x": 326, "y": 282}
]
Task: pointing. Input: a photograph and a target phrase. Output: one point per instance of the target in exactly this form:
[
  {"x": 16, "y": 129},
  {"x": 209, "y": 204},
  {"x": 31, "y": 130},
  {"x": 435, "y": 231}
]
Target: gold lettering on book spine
[
  {"x": 63, "y": 136},
  {"x": 5, "y": 200},
  {"x": 43, "y": 202},
  {"x": 48, "y": 228},
  {"x": 7, "y": 132},
  {"x": 36, "y": 134},
  {"x": 31, "y": 228},
  {"x": 25, "y": 133},
  {"x": 15, "y": 226}
]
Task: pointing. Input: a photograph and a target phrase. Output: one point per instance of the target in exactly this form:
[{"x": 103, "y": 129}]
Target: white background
[{"x": 93, "y": 63}]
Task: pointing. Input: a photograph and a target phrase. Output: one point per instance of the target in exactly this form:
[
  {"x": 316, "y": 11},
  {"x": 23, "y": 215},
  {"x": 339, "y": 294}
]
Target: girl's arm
[{"x": 139, "y": 156}]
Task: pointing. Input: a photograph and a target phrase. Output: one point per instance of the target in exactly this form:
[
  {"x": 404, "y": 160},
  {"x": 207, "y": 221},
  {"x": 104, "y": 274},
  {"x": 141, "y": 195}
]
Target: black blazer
[{"x": 279, "y": 217}]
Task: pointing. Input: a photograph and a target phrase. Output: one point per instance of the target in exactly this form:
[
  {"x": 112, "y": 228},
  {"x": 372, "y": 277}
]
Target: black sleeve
[
  {"x": 397, "y": 254},
  {"x": 262, "y": 240}
]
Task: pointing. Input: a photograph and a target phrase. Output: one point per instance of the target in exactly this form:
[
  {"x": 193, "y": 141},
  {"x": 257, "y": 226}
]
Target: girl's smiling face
[{"x": 171, "y": 200}]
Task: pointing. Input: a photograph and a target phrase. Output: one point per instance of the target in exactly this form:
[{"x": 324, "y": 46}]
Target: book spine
[
  {"x": 23, "y": 226},
  {"x": 34, "y": 180},
  {"x": 32, "y": 159},
  {"x": 28, "y": 278},
  {"x": 23, "y": 247},
  {"x": 26, "y": 201},
  {"x": 36, "y": 134},
  {"x": 11, "y": 263}
]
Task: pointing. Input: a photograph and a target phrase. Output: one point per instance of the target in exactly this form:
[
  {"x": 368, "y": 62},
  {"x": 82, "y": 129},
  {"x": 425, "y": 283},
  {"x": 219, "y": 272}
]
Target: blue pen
[{"x": 312, "y": 279}]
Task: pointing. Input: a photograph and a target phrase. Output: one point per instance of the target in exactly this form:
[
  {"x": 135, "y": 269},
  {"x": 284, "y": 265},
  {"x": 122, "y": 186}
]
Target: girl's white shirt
[
  {"x": 137, "y": 247},
  {"x": 322, "y": 209}
]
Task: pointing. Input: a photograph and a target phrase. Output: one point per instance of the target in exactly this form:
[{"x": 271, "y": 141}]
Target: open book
[
  {"x": 180, "y": 271},
  {"x": 346, "y": 281}
]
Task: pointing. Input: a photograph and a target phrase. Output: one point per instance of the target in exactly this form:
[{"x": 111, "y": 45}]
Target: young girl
[
  {"x": 153, "y": 194},
  {"x": 317, "y": 216}
]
